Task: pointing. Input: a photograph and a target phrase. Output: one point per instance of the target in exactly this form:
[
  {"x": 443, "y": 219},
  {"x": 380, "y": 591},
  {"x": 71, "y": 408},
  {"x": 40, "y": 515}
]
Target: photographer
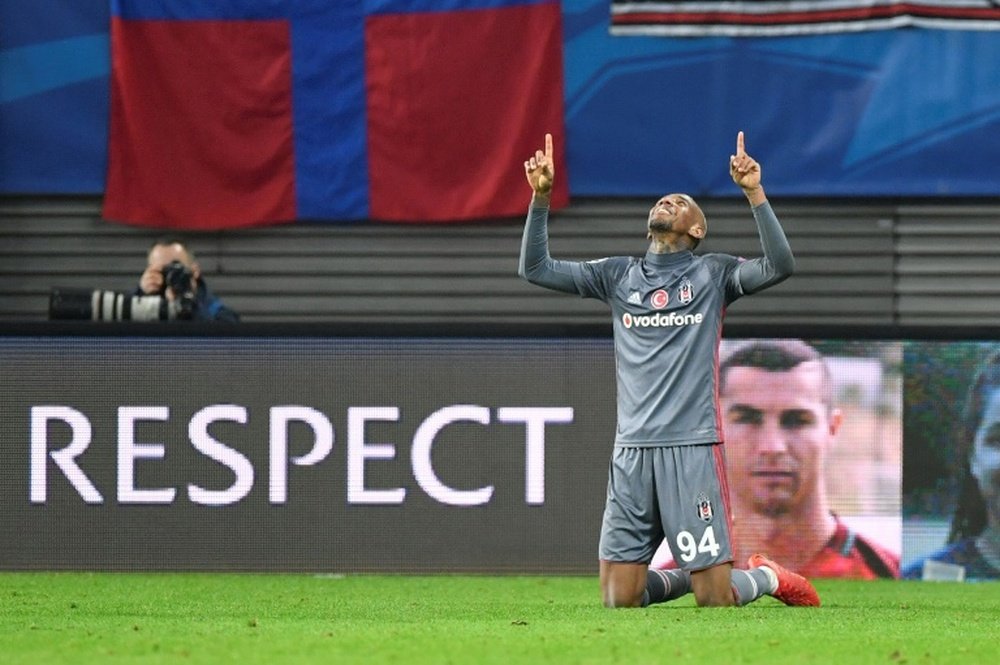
[{"x": 173, "y": 272}]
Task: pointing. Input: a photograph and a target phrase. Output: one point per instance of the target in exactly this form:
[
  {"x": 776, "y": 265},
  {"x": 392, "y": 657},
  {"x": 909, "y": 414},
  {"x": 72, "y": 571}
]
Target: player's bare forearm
[
  {"x": 755, "y": 196},
  {"x": 541, "y": 200}
]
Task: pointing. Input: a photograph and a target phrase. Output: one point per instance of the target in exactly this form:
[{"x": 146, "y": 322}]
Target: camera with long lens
[
  {"x": 98, "y": 305},
  {"x": 178, "y": 278},
  {"x": 87, "y": 305}
]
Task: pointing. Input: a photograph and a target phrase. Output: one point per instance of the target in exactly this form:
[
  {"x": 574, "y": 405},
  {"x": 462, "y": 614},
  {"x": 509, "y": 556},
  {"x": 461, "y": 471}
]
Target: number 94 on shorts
[{"x": 670, "y": 493}]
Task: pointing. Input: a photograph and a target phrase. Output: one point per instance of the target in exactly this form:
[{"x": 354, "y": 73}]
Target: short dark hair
[
  {"x": 776, "y": 355},
  {"x": 166, "y": 241}
]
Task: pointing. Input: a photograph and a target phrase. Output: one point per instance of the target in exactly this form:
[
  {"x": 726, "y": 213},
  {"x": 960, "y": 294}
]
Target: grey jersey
[{"x": 667, "y": 311}]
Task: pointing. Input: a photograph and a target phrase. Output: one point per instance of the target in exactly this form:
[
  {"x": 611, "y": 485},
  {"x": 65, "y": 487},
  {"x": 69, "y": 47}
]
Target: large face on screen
[
  {"x": 777, "y": 429},
  {"x": 985, "y": 462}
]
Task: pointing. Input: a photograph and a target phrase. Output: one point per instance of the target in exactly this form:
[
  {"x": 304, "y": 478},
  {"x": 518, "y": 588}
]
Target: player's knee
[
  {"x": 613, "y": 600},
  {"x": 713, "y": 597},
  {"x": 622, "y": 584},
  {"x": 713, "y": 587}
]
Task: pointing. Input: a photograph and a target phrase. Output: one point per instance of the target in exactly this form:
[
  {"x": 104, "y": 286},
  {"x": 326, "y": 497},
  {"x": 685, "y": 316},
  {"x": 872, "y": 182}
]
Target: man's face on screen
[
  {"x": 777, "y": 429},
  {"x": 985, "y": 462}
]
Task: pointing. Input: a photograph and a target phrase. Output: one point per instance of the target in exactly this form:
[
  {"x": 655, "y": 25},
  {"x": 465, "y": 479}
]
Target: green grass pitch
[{"x": 109, "y": 618}]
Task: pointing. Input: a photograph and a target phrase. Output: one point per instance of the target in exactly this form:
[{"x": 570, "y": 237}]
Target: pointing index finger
[
  {"x": 548, "y": 147},
  {"x": 740, "y": 151}
]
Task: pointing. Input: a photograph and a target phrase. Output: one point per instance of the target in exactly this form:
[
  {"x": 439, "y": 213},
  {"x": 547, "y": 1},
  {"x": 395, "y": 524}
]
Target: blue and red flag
[{"x": 232, "y": 113}]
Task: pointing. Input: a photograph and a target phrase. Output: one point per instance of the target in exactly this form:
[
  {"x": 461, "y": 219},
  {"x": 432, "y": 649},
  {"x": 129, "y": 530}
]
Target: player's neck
[
  {"x": 669, "y": 243},
  {"x": 663, "y": 247}
]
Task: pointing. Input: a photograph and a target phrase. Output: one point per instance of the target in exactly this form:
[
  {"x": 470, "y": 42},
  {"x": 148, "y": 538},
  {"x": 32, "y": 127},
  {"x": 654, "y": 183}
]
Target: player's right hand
[{"x": 540, "y": 169}]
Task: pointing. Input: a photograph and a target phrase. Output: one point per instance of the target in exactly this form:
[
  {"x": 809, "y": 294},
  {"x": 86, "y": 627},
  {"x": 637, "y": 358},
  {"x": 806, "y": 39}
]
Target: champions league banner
[{"x": 700, "y": 18}]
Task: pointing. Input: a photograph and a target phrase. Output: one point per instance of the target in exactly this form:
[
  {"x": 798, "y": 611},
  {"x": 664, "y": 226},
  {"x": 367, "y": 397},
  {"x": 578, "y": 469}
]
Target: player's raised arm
[
  {"x": 541, "y": 170},
  {"x": 745, "y": 172},
  {"x": 535, "y": 264},
  {"x": 778, "y": 263}
]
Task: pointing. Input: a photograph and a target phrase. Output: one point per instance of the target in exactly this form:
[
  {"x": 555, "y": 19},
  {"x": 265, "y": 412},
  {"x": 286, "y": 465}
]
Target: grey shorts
[{"x": 677, "y": 493}]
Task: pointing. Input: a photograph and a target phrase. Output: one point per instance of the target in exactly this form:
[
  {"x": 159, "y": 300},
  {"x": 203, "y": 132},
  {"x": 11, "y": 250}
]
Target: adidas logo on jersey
[{"x": 634, "y": 298}]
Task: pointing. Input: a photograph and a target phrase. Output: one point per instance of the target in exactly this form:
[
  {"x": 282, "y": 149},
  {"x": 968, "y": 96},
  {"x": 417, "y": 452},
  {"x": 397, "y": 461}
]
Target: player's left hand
[{"x": 743, "y": 168}]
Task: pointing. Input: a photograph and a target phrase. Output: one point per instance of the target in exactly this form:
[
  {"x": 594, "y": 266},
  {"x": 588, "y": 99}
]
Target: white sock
[{"x": 772, "y": 578}]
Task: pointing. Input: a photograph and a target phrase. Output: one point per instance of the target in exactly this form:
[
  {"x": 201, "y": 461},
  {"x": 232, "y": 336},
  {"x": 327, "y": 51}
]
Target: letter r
[{"x": 65, "y": 458}]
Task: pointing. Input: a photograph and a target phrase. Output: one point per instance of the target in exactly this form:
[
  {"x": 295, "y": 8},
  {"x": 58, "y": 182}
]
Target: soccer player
[
  {"x": 667, "y": 474},
  {"x": 780, "y": 422},
  {"x": 974, "y": 539}
]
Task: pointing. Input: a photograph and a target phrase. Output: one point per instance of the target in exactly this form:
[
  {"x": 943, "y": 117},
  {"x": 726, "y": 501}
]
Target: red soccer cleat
[{"x": 793, "y": 589}]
